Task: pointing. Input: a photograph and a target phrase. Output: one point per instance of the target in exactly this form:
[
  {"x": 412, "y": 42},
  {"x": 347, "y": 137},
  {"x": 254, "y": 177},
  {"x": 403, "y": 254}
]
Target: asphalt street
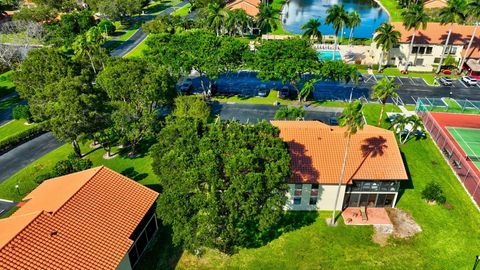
[
  {"x": 21, "y": 156},
  {"x": 245, "y": 83},
  {"x": 139, "y": 36}
]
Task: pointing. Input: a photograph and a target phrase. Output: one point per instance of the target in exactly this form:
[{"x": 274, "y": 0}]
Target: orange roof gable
[
  {"x": 250, "y": 6},
  {"x": 317, "y": 152},
  {"x": 89, "y": 228},
  {"x": 436, "y": 33}
]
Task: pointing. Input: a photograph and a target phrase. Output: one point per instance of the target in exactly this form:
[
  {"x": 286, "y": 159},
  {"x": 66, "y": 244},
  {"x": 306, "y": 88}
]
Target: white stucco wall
[
  {"x": 400, "y": 55},
  {"x": 325, "y": 198},
  {"x": 125, "y": 263}
]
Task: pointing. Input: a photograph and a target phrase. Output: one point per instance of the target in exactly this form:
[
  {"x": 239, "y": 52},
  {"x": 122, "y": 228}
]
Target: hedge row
[{"x": 13, "y": 141}]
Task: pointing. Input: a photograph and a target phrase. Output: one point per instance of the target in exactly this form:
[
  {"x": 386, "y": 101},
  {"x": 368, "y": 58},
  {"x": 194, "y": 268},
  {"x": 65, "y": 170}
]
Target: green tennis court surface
[{"x": 469, "y": 140}]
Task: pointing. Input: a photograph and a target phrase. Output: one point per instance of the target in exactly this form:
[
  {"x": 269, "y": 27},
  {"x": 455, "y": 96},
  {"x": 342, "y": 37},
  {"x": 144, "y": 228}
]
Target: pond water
[{"x": 296, "y": 13}]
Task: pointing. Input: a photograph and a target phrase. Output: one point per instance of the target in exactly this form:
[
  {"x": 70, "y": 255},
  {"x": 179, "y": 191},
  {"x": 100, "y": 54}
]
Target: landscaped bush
[
  {"x": 433, "y": 193},
  {"x": 22, "y": 112},
  {"x": 13, "y": 141},
  {"x": 67, "y": 166},
  {"x": 107, "y": 26}
]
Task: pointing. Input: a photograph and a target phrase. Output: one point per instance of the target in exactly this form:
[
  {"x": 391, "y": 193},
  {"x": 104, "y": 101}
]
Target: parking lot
[{"x": 408, "y": 81}]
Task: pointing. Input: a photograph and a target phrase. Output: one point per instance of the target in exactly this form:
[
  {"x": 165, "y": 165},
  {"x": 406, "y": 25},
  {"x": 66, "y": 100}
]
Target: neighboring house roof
[
  {"x": 435, "y": 4},
  {"x": 318, "y": 151},
  {"x": 77, "y": 221},
  {"x": 250, "y": 6}
]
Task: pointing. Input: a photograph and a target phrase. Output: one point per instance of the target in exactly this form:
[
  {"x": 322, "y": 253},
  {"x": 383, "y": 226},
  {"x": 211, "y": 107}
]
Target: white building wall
[
  {"x": 325, "y": 198},
  {"x": 124, "y": 264},
  {"x": 397, "y": 56}
]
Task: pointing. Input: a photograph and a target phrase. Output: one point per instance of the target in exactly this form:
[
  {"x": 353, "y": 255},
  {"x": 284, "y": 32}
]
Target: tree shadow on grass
[
  {"x": 404, "y": 185},
  {"x": 132, "y": 174},
  {"x": 290, "y": 221}
]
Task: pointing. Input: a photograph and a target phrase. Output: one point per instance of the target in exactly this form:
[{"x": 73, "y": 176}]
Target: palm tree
[
  {"x": 387, "y": 38},
  {"x": 88, "y": 43},
  {"x": 266, "y": 17},
  {"x": 383, "y": 90},
  {"x": 414, "y": 17},
  {"x": 354, "y": 21},
  {"x": 352, "y": 119},
  {"x": 238, "y": 21},
  {"x": 307, "y": 89},
  {"x": 454, "y": 12},
  {"x": 474, "y": 11},
  {"x": 311, "y": 30},
  {"x": 414, "y": 122},
  {"x": 409, "y": 124},
  {"x": 216, "y": 16},
  {"x": 337, "y": 17}
]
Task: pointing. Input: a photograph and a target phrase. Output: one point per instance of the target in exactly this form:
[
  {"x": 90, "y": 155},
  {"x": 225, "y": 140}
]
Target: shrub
[
  {"x": 13, "y": 141},
  {"x": 107, "y": 26},
  {"x": 433, "y": 192},
  {"x": 22, "y": 112},
  {"x": 67, "y": 166},
  {"x": 289, "y": 113}
]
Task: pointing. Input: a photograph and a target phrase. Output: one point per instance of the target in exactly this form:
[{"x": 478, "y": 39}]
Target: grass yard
[
  {"x": 138, "y": 51},
  {"x": 13, "y": 128},
  {"x": 6, "y": 84},
  {"x": 278, "y": 4},
  {"x": 392, "y": 8},
  {"x": 429, "y": 77},
  {"x": 183, "y": 11}
]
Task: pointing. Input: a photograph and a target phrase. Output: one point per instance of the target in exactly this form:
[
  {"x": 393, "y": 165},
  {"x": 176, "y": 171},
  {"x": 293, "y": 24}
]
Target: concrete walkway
[{"x": 23, "y": 155}]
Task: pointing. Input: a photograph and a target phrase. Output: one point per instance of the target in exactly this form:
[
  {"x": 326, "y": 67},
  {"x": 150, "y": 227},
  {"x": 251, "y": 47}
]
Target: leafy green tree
[
  {"x": 193, "y": 107},
  {"x": 22, "y": 112},
  {"x": 63, "y": 167},
  {"x": 337, "y": 17},
  {"x": 90, "y": 45},
  {"x": 383, "y": 90},
  {"x": 267, "y": 18},
  {"x": 310, "y": 30},
  {"x": 198, "y": 50},
  {"x": 37, "y": 14},
  {"x": 414, "y": 17},
  {"x": 353, "y": 22},
  {"x": 453, "y": 13},
  {"x": 286, "y": 60},
  {"x": 136, "y": 90},
  {"x": 117, "y": 9},
  {"x": 290, "y": 113},
  {"x": 385, "y": 37},
  {"x": 75, "y": 109},
  {"x": 352, "y": 119},
  {"x": 163, "y": 24},
  {"x": 70, "y": 25},
  {"x": 337, "y": 71},
  {"x": 474, "y": 12},
  {"x": 307, "y": 90},
  {"x": 433, "y": 192},
  {"x": 238, "y": 22},
  {"x": 41, "y": 68},
  {"x": 223, "y": 185},
  {"x": 107, "y": 27},
  {"x": 413, "y": 122}
]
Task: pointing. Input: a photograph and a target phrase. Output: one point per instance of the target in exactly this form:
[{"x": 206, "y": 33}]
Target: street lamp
[{"x": 477, "y": 260}]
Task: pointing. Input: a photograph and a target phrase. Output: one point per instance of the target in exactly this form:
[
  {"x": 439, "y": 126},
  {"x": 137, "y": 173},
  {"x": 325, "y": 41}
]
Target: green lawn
[
  {"x": 393, "y": 10},
  {"x": 454, "y": 107},
  {"x": 278, "y": 4},
  {"x": 183, "y": 11},
  {"x": 6, "y": 84},
  {"x": 138, "y": 51},
  {"x": 12, "y": 128}
]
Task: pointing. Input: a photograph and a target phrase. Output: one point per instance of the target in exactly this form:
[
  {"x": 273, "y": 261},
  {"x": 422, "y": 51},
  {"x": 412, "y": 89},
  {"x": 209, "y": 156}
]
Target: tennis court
[{"x": 469, "y": 141}]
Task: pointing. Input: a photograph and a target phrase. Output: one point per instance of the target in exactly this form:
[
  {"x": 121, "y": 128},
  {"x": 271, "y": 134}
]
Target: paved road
[
  {"x": 6, "y": 114},
  {"x": 252, "y": 113},
  {"x": 139, "y": 36},
  {"x": 246, "y": 83},
  {"x": 21, "y": 156}
]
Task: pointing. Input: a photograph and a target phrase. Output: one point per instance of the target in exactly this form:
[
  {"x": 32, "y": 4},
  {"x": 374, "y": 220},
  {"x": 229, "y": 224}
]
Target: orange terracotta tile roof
[
  {"x": 86, "y": 227},
  {"x": 250, "y": 6},
  {"x": 317, "y": 152}
]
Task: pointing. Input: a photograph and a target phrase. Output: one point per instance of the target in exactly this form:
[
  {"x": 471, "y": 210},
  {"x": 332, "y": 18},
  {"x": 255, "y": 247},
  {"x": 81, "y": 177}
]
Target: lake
[{"x": 296, "y": 13}]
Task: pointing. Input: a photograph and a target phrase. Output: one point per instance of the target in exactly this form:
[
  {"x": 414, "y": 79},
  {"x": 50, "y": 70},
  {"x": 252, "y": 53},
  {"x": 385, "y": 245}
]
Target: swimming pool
[{"x": 327, "y": 55}]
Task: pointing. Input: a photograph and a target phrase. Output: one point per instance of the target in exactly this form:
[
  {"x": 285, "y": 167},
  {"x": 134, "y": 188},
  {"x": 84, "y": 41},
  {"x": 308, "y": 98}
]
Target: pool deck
[{"x": 351, "y": 53}]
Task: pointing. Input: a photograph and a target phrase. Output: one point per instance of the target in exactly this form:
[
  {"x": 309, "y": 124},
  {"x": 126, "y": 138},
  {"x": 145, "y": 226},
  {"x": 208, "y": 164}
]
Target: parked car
[
  {"x": 469, "y": 80},
  {"x": 187, "y": 86},
  {"x": 445, "y": 81},
  {"x": 284, "y": 92},
  {"x": 262, "y": 90}
]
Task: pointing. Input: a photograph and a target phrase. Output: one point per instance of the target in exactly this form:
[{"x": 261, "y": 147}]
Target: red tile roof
[
  {"x": 318, "y": 150},
  {"x": 77, "y": 221},
  {"x": 250, "y": 6}
]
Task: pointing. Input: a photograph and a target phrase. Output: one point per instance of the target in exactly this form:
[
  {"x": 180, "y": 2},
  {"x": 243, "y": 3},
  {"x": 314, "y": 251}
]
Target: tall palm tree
[
  {"x": 311, "y": 30},
  {"x": 454, "y": 12},
  {"x": 383, "y": 90},
  {"x": 353, "y": 22},
  {"x": 266, "y": 17},
  {"x": 387, "y": 38},
  {"x": 88, "y": 43},
  {"x": 414, "y": 17},
  {"x": 216, "y": 16},
  {"x": 415, "y": 123},
  {"x": 352, "y": 119},
  {"x": 337, "y": 17},
  {"x": 474, "y": 11},
  {"x": 238, "y": 21}
]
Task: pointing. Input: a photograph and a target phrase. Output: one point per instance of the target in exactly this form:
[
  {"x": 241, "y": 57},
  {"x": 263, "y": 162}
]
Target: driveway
[
  {"x": 139, "y": 36},
  {"x": 24, "y": 154}
]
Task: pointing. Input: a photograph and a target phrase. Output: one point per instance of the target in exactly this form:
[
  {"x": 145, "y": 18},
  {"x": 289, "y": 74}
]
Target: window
[
  {"x": 453, "y": 50},
  {"x": 429, "y": 50},
  {"x": 298, "y": 190},
  {"x": 314, "y": 186},
  {"x": 414, "y": 49},
  {"x": 392, "y": 59},
  {"x": 436, "y": 60},
  {"x": 419, "y": 62},
  {"x": 297, "y": 201},
  {"x": 314, "y": 191},
  {"x": 396, "y": 46},
  {"x": 421, "y": 50},
  {"x": 313, "y": 200}
]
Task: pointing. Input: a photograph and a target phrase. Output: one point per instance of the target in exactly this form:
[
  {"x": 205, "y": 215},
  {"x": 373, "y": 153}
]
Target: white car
[{"x": 469, "y": 80}]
